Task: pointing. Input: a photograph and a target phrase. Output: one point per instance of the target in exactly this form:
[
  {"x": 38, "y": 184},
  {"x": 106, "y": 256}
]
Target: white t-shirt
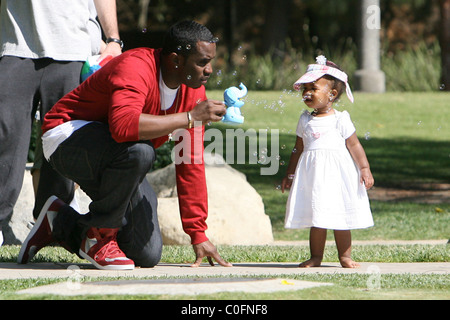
[
  {"x": 167, "y": 95},
  {"x": 56, "y": 29}
]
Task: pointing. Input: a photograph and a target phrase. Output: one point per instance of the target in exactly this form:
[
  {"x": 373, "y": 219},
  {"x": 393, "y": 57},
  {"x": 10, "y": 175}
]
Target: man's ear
[{"x": 176, "y": 60}]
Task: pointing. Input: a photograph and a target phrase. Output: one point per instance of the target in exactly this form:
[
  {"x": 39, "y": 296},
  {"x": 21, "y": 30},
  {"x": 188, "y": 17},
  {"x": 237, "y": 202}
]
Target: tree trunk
[
  {"x": 276, "y": 28},
  {"x": 445, "y": 44},
  {"x": 142, "y": 21}
]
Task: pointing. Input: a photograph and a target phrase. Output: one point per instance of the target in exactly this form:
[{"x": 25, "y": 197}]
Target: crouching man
[{"x": 103, "y": 136}]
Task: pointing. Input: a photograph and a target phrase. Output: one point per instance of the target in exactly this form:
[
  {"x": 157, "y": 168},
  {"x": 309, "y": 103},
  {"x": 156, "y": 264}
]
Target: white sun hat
[{"x": 318, "y": 70}]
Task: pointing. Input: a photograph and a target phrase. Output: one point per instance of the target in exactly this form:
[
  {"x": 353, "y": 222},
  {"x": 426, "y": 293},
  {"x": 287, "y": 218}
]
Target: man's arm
[
  {"x": 107, "y": 15},
  {"x": 152, "y": 126},
  {"x": 193, "y": 197}
]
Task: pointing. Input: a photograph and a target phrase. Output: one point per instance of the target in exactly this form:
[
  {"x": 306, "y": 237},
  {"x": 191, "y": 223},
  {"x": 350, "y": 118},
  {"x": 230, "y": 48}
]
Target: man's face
[{"x": 197, "y": 67}]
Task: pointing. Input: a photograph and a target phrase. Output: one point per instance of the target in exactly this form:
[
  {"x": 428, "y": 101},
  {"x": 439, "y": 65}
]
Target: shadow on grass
[
  {"x": 399, "y": 162},
  {"x": 395, "y": 163},
  {"x": 408, "y": 163}
]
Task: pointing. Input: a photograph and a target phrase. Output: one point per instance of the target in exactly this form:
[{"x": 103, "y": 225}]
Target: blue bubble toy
[{"x": 232, "y": 97}]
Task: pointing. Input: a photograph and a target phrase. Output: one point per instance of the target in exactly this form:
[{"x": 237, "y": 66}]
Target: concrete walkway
[
  {"x": 195, "y": 281},
  {"x": 62, "y": 270},
  {"x": 163, "y": 270},
  {"x": 247, "y": 277}
]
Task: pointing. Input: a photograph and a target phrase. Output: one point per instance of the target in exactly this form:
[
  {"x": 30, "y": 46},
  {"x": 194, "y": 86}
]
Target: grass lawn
[
  {"x": 406, "y": 144},
  {"x": 407, "y": 139}
]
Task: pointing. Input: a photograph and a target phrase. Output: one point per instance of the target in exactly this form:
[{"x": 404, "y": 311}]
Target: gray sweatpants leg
[{"x": 24, "y": 83}]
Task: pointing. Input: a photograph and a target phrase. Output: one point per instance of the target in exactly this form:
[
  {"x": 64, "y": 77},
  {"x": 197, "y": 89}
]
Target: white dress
[{"x": 326, "y": 192}]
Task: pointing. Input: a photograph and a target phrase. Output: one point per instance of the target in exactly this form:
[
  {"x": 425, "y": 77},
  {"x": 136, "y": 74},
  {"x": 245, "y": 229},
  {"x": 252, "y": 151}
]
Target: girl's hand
[
  {"x": 286, "y": 183},
  {"x": 367, "y": 178}
]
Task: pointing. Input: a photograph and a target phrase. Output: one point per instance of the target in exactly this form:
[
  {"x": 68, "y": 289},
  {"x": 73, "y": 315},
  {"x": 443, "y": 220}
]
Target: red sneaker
[
  {"x": 41, "y": 234},
  {"x": 101, "y": 249}
]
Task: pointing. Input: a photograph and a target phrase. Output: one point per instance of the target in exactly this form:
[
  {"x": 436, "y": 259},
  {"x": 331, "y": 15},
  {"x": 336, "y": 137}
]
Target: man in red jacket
[{"x": 103, "y": 136}]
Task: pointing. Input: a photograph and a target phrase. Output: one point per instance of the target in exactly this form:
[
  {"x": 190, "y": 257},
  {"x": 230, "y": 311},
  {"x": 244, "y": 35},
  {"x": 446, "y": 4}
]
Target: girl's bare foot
[
  {"x": 313, "y": 262},
  {"x": 348, "y": 263}
]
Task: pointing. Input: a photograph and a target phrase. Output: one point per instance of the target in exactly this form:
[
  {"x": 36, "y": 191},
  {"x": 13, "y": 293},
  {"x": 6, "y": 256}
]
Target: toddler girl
[{"x": 328, "y": 171}]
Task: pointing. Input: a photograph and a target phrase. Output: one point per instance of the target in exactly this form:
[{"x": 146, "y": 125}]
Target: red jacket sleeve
[
  {"x": 191, "y": 184},
  {"x": 129, "y": 92}
]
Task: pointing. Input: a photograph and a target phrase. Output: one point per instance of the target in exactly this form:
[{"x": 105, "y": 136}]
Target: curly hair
[{"x": 337, "y": 84}]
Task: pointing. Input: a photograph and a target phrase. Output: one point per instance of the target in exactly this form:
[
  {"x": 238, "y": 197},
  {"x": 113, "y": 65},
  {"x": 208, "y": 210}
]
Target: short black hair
[
  {"x": 339, "y": 85},
  {"x": 183, "y": 36}
]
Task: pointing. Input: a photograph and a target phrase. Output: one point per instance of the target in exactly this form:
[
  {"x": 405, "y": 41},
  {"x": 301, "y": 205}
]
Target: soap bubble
[
  {"x": 367, "y": 135},
  {"x": 188, "y": 47},
  {"x": 189, "y": 77},
  {"x": 144, "y": 30}
]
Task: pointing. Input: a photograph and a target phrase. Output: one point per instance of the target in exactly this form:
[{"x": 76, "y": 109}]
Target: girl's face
[{"x": 318, "y": 94}]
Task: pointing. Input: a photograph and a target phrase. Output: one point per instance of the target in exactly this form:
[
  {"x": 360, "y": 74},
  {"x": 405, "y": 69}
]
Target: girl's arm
[
  {"x": 295, "y": 155},
  {"x": 360, "y": 158}
]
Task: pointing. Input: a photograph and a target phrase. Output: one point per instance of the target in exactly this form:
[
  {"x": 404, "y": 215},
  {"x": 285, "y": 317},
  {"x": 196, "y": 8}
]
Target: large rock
[
  {"x": 16, "y": 229},
  {"x": 236, "y": 211}
]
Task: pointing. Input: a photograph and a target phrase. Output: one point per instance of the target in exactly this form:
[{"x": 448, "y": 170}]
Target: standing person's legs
[
  {"x": 18, "y": 82},
  {"x": 59, "y": 78},
  {"x": 343, "y": 240},
  {"x": 317, "y": 240},
  {"x": 113, "y": 175}
]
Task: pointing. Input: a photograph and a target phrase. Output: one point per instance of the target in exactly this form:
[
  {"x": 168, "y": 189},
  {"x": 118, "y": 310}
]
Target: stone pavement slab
[
  {"x": 173, "y": 286},
  {"x": 65, "y": 270},
  {"x": 188, "y": 280}
]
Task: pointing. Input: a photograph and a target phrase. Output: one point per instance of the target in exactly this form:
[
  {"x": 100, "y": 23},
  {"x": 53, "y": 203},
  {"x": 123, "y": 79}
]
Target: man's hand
[
  {"x": 208, "y": 111},
  {"x": 207, "y": 249},
  {"x": 111, "y": 49}
]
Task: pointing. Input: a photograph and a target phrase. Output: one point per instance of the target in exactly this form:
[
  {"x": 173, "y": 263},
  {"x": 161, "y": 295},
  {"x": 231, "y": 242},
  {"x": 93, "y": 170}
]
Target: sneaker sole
[
  {"x": 106, "y": 267},
  {"x": 32, "y": 250}
]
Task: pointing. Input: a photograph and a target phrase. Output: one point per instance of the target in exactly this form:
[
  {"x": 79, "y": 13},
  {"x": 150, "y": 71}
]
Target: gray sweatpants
[{"x": 23, "y": 84}]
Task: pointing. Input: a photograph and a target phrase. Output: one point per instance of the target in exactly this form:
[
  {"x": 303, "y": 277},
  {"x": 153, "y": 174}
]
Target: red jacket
[{"x": 117, "y": 94}]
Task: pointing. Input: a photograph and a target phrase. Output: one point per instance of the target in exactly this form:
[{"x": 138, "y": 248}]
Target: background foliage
[{"x": 266, "y": 43}]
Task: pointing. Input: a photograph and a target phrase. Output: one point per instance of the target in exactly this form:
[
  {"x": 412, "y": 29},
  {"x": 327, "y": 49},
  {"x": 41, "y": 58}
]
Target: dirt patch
[{"x": 432, "y": 193}]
